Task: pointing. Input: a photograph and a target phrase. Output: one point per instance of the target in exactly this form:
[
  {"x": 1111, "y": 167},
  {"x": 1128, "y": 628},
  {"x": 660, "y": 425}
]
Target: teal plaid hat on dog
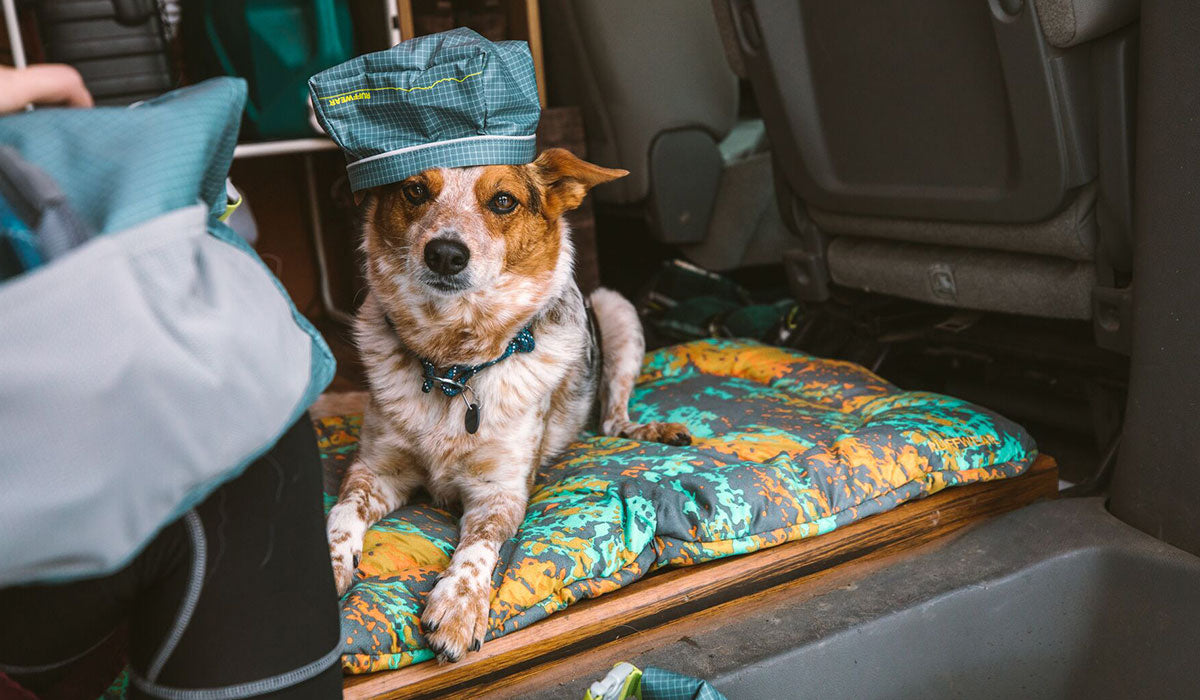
[{"x": 446, "y": 100}]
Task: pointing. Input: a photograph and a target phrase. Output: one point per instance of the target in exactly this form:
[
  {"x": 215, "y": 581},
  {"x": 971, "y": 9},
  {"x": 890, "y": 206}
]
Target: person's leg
[
  {"x": 46, "y": 631},
  {"x": 257, "y": 613}
]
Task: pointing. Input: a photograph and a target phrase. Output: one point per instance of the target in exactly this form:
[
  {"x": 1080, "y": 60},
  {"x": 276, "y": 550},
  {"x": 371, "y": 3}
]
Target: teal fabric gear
[
  {"x": 626, "y": 682},
  {"x": 661, "y": 684},
  {"x": 150, "y": 364},
  {"x": 122, "y": 166},
  {"x": 448, "y": 100}
]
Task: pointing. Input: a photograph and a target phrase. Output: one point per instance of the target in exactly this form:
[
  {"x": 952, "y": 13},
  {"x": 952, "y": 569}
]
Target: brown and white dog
[{"x": 459, "y": 260}]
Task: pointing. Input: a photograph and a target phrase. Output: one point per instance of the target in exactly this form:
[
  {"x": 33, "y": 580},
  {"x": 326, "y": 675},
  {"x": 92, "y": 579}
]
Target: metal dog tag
[{"x": 471, "y": 420}]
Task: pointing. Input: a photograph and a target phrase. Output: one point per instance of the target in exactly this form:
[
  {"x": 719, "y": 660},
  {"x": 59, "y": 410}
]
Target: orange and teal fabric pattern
[{"x": 785, "y": 446}]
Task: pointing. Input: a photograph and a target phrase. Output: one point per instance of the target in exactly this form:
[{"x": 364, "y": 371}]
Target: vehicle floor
[{"x": 1057, "y": 599}]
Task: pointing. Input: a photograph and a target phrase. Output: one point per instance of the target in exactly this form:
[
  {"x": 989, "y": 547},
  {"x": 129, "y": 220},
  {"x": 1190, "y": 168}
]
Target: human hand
[{"x": 45, "y": 83}]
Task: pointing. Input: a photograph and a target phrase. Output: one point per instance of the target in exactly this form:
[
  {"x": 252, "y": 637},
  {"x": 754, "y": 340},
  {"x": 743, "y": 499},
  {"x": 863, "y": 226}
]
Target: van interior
[{"x": 992, "y": 200}]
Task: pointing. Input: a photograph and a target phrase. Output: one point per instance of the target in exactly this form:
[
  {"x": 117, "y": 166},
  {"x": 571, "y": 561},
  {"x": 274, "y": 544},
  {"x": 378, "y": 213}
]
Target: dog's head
[{"x": 474, "y": 252}]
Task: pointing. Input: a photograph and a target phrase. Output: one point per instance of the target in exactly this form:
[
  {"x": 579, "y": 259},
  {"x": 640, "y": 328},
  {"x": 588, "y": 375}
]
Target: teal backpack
[{"x": 144, "y": 368}]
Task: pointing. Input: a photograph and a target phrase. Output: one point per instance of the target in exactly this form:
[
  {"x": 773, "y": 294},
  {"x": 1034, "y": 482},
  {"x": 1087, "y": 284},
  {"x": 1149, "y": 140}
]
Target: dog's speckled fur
[{"x": 533, "y": 405}]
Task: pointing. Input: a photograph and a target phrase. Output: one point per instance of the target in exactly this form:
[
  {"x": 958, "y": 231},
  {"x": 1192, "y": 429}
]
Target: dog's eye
[
  {"x": 503, "y": 203},
  {"x": 416, "y": 193}
]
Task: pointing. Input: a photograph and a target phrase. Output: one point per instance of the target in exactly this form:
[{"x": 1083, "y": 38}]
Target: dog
[{"x": 465, "y": 266}]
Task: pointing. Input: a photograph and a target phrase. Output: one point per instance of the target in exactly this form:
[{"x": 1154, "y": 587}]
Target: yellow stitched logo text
[
  {"x": 360, "y": 95},
  {"x": 366, "y": 94},
  {"x": 958, "y": 444}
]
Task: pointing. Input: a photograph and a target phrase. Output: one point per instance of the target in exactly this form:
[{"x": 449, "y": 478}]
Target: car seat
[
  {"x": 974, "y": 154},
  {"x": 659, "y": 100}
]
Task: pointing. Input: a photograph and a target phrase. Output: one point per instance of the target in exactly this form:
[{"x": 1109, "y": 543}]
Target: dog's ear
[{"x": 565, "y": 179}]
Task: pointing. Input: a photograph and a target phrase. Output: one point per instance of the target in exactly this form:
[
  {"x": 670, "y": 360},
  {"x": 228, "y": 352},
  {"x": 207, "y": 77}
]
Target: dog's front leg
[
  {"x": 370, "y": 490},
  {"x": 456, "y": 615}
]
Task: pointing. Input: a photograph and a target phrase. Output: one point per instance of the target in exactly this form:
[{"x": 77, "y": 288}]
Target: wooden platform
[{"x": 672, "y": 594}]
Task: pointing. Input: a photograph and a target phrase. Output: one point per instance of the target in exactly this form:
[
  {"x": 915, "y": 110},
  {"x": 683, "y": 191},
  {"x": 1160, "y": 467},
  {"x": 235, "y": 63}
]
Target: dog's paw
[
  {"x": 666, "y": 433},
  {"x": 344, "y": 553},
  {"x": 456, "y": 616}
]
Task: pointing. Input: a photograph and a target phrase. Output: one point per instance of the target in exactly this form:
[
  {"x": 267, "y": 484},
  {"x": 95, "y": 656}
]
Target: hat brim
[{"x": 485, "y": 149}]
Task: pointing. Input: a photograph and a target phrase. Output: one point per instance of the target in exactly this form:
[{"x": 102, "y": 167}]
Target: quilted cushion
[{"x": 785, "y": 446}]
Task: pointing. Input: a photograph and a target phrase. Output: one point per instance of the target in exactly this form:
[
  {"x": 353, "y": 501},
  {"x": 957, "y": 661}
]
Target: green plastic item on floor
[
  {"x": 275, "y": 45},
  {"x": 628, "y": 681}
]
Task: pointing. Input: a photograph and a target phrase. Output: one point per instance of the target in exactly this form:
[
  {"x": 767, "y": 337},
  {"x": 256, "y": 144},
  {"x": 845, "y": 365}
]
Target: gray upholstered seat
[
  {"x": 660, "y": 100},
  {"x": 969, "y": 153}
]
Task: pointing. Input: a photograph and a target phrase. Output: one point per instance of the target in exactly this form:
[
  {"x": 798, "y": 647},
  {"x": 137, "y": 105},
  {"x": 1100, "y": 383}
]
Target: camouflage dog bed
[{"x": 785, "y": 446}]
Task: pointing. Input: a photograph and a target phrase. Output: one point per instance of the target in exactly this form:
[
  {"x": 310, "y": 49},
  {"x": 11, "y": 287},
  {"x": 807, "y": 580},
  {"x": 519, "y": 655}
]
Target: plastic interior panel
[
  {"x": 1156, "y": 485},
  {"x": 1109, "y": 621},
  {"x": 1115, "y": 66},
  {"x": 805, "y": 265},
  {"x": 1114, "y": 63},
  {"x": 986, "y": 280},
  {"x": 942, "y": 109},
  {"x": 685, "y": 172}
]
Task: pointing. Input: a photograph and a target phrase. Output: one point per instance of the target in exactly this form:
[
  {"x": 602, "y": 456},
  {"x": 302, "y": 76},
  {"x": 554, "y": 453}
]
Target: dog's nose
[{"x": 445, "y": 256}]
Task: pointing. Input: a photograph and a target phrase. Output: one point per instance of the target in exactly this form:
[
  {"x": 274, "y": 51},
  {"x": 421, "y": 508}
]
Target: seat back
[
  {"x": 638, "y": 70},
  {"x": 940, "y": 109},
  {"x": 951, "y": 137},
  {"x": 659, "y": 100}
]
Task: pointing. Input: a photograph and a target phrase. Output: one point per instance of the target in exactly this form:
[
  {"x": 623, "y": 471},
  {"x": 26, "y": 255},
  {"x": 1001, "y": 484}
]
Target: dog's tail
[{"x": 622, "y": 347}]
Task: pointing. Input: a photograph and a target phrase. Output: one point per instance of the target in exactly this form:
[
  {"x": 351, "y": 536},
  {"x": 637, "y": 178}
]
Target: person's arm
[{"x": 47, "y": 84}]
